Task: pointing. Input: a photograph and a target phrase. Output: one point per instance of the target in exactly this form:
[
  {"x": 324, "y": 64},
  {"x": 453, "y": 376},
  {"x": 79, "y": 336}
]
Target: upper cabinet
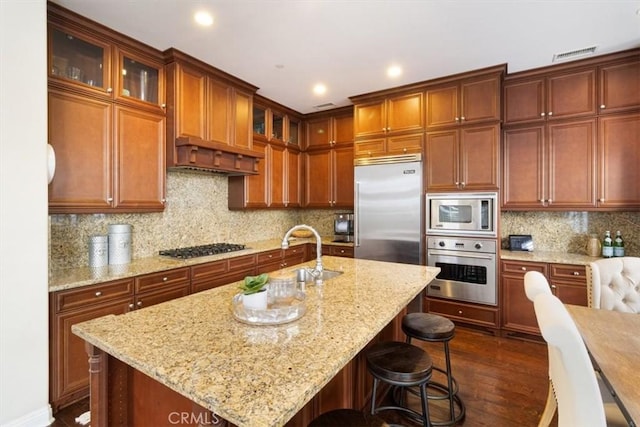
[
  {"x": 326, "y": 131},
  {"x": 210, "y": 118},
  {"x": 83, "y": 61},
  {"x": 391, "y": 115},
  {"x": 106, "y": 119},
  {"x": 465, "y": 100},
  {"x": 554, "y": 96},
  {"x": 275, "y": 123},
  {"x": 619, "y": 85}
]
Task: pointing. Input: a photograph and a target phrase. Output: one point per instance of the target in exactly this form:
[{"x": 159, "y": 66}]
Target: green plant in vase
[{"x": 254, "y": 295}]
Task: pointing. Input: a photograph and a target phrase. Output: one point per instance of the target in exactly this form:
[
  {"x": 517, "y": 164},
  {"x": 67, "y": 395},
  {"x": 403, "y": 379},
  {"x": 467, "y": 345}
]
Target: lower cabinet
[
  {"x": 333, "y": 250},
  {"x": 483, "y": 316},
  {"x": 567, "y": 281},
  {"x": 69, "y": 371},
  {"x": 218, "y": 273}
]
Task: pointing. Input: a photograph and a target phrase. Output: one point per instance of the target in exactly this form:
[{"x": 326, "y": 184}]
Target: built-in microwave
[{"x": 462, "y": 214}]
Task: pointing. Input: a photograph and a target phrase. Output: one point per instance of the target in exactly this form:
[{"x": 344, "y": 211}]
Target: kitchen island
[{"x": 178, "y": 360}]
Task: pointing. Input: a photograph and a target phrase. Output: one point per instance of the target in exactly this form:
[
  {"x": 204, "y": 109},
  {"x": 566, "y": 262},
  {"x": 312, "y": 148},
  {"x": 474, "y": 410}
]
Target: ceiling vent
[
  {"x": 566, "y": 56},
  {"x": 324, "y": 106}
]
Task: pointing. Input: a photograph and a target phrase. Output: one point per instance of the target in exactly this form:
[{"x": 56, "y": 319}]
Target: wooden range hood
[{"x": 197, "y": 154}]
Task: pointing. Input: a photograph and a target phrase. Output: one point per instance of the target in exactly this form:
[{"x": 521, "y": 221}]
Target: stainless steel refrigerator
[{"x": 388, "y": 209}]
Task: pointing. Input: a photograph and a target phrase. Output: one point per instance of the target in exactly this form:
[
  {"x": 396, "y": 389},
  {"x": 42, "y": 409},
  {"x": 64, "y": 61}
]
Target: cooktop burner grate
[{"x": 202, "y": 250}]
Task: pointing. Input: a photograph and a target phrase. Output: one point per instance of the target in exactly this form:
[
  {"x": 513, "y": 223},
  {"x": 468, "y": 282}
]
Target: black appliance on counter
[{"x": 202, "y": 250}]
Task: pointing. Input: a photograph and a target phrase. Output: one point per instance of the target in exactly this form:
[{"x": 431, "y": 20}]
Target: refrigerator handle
[{"x": 356, "y": 217}]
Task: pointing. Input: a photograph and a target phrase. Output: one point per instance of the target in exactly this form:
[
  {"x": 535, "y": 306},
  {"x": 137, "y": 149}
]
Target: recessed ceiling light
[
  {"x": 203, "y": 18},
  {"x": 394, "y": 71},
  {"x": 319, "y": 89}
]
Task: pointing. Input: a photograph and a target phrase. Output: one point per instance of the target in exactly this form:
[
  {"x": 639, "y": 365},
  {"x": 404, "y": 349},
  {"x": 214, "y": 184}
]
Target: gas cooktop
[{"x": 202, "y": 250}]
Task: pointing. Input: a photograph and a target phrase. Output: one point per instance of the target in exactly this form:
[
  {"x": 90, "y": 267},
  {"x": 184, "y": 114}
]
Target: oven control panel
[{"x": 462, "y": 244}]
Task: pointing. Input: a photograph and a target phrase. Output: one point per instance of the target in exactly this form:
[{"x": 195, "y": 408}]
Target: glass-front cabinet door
[
  {"x": 139, "y": 79},
  {"x": 294, "y": 131},
  {"x": 259, "y": 120},
  {"x": 79, "y": 59},
  {"x": 277, "y": 126}
]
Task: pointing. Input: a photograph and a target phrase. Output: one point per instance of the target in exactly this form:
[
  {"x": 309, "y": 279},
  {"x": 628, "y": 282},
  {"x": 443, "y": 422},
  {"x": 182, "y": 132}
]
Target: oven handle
[{"x": 489, "y": 257}]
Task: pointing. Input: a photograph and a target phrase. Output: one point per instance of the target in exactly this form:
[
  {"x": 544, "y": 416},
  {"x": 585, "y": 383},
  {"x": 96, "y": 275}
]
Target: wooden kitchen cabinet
[
  {"x": 251, "y": 191},
  {"x": 619, "y": 162},
  {"x": 217, "y": 273},
  {"x": 329, "y": 178},
  {"x": 106, "y": 119},
  {"x": 567, "y": 281},
  {"x": 482, "y": 316},
  {"x": 550, "y": 96},
  {"x": 328, "y": 131},
  {"x": 333, "y": 250},
  {"x": 275, "y": 123},
  {"x": 68, "y": 365},
  {"x": 462, "y": 159},
  {"x": 550, "y": 166},
  {"x": 469, "y": 99},
  {"x": 389, "y": 146},
  {"x": 155, "y": 288},
  {"x": 619, "y": 84},
  {"x": 394, "y": 114}
]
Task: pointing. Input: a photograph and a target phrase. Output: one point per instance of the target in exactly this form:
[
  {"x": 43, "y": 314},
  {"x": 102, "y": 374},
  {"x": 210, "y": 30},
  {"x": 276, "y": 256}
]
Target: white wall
[{"x": 23, "y": 215}]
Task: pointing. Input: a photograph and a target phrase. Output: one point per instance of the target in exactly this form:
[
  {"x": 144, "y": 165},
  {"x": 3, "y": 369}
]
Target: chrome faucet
[{"x": 317, "y": 271}]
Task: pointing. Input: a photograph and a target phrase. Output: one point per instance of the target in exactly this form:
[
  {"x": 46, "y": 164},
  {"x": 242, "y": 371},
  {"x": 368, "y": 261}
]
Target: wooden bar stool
[
  {"x": 433, "y": 328},
  {"x": 347, "y": 418},
  {"x": 400, "y": 365}
]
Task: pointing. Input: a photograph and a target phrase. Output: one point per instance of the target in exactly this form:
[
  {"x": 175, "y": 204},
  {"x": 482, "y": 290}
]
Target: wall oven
[
  {"x": 468, "y": 269},
  {"x": 468, "y": 214}
]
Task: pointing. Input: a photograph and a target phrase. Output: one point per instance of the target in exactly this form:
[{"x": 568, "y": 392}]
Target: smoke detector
[{"x": 574, "y": 54}]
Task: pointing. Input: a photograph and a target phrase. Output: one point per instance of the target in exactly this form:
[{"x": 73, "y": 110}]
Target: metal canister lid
[
  {"x": 119, "y": 228},
  {"x": 99, "y": 238}
]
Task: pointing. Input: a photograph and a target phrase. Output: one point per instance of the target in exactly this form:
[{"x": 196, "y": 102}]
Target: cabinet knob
[
  {"x": 459, "y": 311},
  {"x": 576, "y": 273},
  {"x": 98, "y": 293},
  {"x": 602, "y": 106},
  {"x": 457, "y": 183},
  {"x": 164, "y": 279},
  {"x": 463, "y": 184},
  {"x": 523, "y": 268},
  {"x": 404, "y": 150},
  {"x": 542, "y": 201},
  {"x": 163, "y": 106},
  {"x": 553, "y": 287},
  {"x": 388, "y": 129},
  {"x": 542, "y": 114},
  {"x": 457, "y": 119},
  {"x": 109, "y": 199},
  {"x": 602, "y": 200},
  {"x": 131, "y": 306},
  {"x": 139, "y": 303},
  {"x": 163, "y": 201},
  {"x": 341, "y": 251},
  {"x": 549, "y": 201},
  {"x": 109, "y": 89},
  {"x": 462, "y": 118},
  {"x": 551, "y": 113}
]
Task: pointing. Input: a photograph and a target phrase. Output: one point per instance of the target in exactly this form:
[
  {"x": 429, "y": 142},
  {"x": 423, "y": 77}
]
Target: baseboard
[{"x": 41, "y": 418}]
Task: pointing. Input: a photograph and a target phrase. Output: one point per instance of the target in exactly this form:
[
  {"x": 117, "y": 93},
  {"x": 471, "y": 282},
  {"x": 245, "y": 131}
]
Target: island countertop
[{"x": 260, "y": 375}]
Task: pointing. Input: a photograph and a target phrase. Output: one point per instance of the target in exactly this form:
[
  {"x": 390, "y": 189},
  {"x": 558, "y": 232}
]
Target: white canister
[
  {"x": 119, "y": 244},
  {"x": 98, "y": 250}
]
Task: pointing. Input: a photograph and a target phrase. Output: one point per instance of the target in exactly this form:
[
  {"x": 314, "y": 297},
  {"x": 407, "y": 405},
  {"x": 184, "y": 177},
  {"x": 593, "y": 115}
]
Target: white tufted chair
[
  {"x": 535, "y": 284},
  {"x": 614, "y": 284}
]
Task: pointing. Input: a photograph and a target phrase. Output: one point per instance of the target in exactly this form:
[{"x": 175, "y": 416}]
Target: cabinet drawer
[
  {"x": 242, "y": 262},
  {"x": 574, "y": 273},
  {"x": 295, "y": 252},
  {"x": 343, "y": 251},
  {"x": 209, "y": 269},
  {"x": 163, "y": 278},
  {"x": 95, "y": 294},
  {"x": 464, "y": 312},
  {"x": 166, "y": 293},
  {"x": 520, "y": 267},
  {"x": 269, "y": 256}
]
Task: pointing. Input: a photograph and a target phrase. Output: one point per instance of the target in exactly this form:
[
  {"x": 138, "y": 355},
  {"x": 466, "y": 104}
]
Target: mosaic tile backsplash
[
  {"x": 196, "y": 213},
  {"x": 569, "y": 231}
]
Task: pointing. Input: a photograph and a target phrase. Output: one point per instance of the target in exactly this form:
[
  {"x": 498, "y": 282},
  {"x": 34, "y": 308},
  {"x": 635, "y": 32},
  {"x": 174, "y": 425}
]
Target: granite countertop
[
  {"x": 76, "y": 277},
  {"x": 548, "y": 257},
  {"x": 196, "y": 347}
]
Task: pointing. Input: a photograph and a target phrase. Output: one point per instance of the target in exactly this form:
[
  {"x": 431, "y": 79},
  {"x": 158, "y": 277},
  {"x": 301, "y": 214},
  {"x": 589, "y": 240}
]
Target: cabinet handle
[
  {"x": 457, "y": 183},
  {"x": 576, "y": 273},
  {"x": 602, "y": 200},
  {"x": 554, "y": 287},
  {"x": 523, "y": 268},
  {"x": 163, "y": 106},
  {"x": 463, "y": 184},
  {"x": 551, "y": 113},
  {"x": 109, "y": 89},
  {"x": 542, "y": 114},
  {"x": 463, "y": 118},
  {"x": 163, "y": 201},
  {"x": 549, "y": 201},
  {"x": 109, "y": 199},
  {"x": 388, "y": 129},
  {"x": 457, "y": 119},
  {"x": 542, "y": 201},
  {"x": 602, "y": 106},
  {"x": 139, "y": 304},
  {"x": 459, "y": 311},
  {"x": 131, "y": 306},
  {"x": 164, "y": 279},
  {"x": 98, "y": 294}
]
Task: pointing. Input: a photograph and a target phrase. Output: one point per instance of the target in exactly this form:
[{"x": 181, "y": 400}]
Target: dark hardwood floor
[{"x": 503, "y": 381}]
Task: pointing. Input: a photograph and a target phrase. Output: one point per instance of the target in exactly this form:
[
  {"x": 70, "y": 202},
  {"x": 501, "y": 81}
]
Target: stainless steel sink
[{"x": 306, "y": 274}]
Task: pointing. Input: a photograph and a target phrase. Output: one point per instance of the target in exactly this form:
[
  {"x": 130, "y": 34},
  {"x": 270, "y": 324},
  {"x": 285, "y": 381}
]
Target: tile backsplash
[
  {"x": 196, "y": 213},
  {"x": 569, "y": 231}
]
